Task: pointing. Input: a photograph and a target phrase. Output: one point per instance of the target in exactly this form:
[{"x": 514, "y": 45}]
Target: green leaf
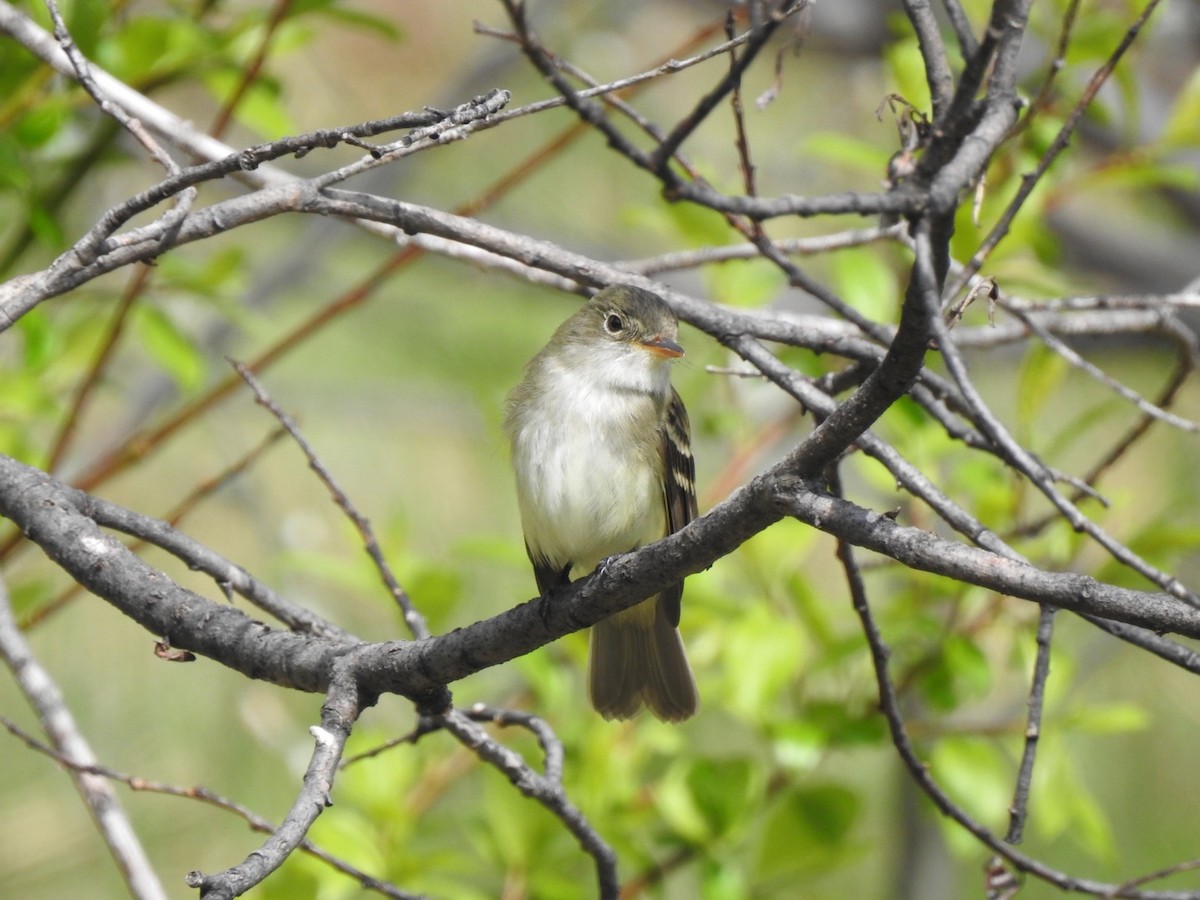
[
  {"x": 867, "y": 282},
  {"x": 745, "y": 283},
  {"x": 259, "y": 108},
  {"x": 847, "y": 725},
  {"x": 44, "y": 224},
  {"x": 86, "y": 20},
  {"x": 975, "y": 774},
  {"x": 38, "y": 338},
  {"x": 150, "y": 47},
  {"x": 167, "y": 346},
  {"x": 765, "y": 652},
  {"x": 847, "y": 150},
  {"x": 698, "y": 225},
  {"x": 38, "y": 126},
  {"x": 722, "y": 792},
  {"x": 828, "y": 811},
  {"x": 28, "y": 595},
  {"x": 13, "y": 172},
  {"x": 1038, "y": 381},
  {"x": 365, "y": 21},
  {"x": 1139, "y": 173},
  {"x": 1062, "y": 803},
  {"x": 1160, "y": 542},
  {"x": 1109, "y": 718},
  {"x": 351, "y": 835},
  {"x": 906, "y": 67},
  {"x": 1183, "y": 124},
  {"x": 958, "y": 671},
  {"x": 208, "y": 275},
  {"x": 799, "y": 744},
  {"x": 723, "y": 880},
  {"x": 805, "y": 827},
  {"x": 677, "y": 806}
]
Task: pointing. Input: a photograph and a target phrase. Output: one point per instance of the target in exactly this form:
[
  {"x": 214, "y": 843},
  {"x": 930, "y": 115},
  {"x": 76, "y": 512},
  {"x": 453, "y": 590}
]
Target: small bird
[{"x": 601, "y": 448}]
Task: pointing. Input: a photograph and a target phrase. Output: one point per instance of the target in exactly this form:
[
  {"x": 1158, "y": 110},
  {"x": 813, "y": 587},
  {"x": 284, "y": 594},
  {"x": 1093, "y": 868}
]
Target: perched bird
[{"x": 601, "y": 448}]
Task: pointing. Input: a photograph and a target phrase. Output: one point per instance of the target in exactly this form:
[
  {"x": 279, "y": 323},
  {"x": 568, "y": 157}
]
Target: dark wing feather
[
  {"x": 679, "y": 485},
  {"x": 548, "y": 575}
]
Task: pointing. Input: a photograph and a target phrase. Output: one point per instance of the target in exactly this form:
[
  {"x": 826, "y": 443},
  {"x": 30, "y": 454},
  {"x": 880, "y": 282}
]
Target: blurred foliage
[{"x": 786, "y": 784}]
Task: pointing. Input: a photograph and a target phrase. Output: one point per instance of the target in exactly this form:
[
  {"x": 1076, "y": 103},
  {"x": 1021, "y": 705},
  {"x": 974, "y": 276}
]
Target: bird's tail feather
[{"x": 637, "y": 656}]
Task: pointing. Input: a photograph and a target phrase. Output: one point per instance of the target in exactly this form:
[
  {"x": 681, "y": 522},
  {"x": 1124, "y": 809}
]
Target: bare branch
[
  {"x": 1037, "y": 473},
  {"x": 229, "y": 577},
  {"x": 967, "y": 44},
  {"x": 890, "y": 706},
  {"x": 204, "y": 489},
  {"x": 933, "y": 52},
  {"x": 1076, "y": 359},
  {"x": 689, "y": 259},
  {"x": 341, "y": 709},
  {"x": 83, "y": 73},
  {"x": 206, "y": 796},
  {"x": 1019, "y": 808},
  {"x": 59, "y": 724},
  {"x": 412, "y": 617},
  {"x": 545, "y": 789},
  {"x": 1030, "y": 180}
]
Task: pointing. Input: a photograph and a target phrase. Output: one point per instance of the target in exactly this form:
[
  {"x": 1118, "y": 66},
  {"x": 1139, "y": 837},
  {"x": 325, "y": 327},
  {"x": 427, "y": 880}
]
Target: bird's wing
[{"x": 679, "y": 485}]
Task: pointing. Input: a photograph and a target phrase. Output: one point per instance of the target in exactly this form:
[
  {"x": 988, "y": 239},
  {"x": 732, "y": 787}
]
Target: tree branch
[
  {"x": 59, "y": 724},
  {"x": 341, "y": 710}
]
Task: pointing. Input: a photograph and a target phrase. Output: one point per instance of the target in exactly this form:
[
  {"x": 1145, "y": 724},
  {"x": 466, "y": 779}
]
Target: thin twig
[
  {"x": 656, "y": 162},
  {"x": 741, "y": 141},
  {"x": 415, "y": 621},
  {"x": 668, "y": 67},
  {"x": 759, "y": 33},
  {"x": 340, "y": 711},
  {"x": 1041, "y": 101},
  {"x": 229, "y": 577},
  {"x": 83, "y": 73},
  {"x": 95, "y": 372},
  {"x": 545, "y": 789},
  {"x": 1189, "y": 357},
  {"x": 56, "y": 719},
  {"x": 89, "y": 246},
  {"x": 1061, "y": 140},
  {"x": 1019, "y": 808},
  {"x": 204, "y": 489},
  {"x": 1125, "y": 889},
  {"x": 1037, "y": 472},
  {"x": 933, "y": 54},
  {"x": 141, "y": 278},
  {"x": 204, "y": 795},
  {"x": 552, "y": 747},
  {"x": 889, "y": 704},
  {"x": 807, "y": 246},
  {"x": 1076, "y": 359},
  {"x": 967, "y": 44},
  {"x": 252, "y": 69}
]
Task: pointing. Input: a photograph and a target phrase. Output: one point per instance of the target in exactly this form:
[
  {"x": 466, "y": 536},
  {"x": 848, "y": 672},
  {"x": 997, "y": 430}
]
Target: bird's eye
[{"x": 613, "y": 324}]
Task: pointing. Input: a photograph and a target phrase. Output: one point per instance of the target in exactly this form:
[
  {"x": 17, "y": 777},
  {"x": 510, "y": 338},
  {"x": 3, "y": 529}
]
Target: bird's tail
[{"x": 637, "y": 656}]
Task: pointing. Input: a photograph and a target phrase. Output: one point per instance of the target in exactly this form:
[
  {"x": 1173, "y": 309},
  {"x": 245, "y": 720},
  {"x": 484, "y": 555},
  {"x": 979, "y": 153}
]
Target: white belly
[{"x": 586, "y": 491}]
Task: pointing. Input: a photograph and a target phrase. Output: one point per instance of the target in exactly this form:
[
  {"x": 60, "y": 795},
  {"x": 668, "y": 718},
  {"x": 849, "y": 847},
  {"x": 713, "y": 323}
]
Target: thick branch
[
  {"x": 52, "y": 515},
  {"x": 45, "y": 511},
  {"x": 924, "y": 551}
]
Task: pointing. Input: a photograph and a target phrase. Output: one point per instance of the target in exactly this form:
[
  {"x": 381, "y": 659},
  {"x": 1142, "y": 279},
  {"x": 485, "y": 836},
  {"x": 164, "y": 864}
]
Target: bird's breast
[{"x": 589, "y": 476}]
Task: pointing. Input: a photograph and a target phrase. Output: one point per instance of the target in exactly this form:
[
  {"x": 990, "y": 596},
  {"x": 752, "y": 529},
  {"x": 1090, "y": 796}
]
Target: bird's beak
[{"x": 664, "y": 347}]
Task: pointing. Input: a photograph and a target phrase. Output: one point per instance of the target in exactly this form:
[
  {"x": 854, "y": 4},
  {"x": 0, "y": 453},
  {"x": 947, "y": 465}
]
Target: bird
[{"x": 601, "y": 451}]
